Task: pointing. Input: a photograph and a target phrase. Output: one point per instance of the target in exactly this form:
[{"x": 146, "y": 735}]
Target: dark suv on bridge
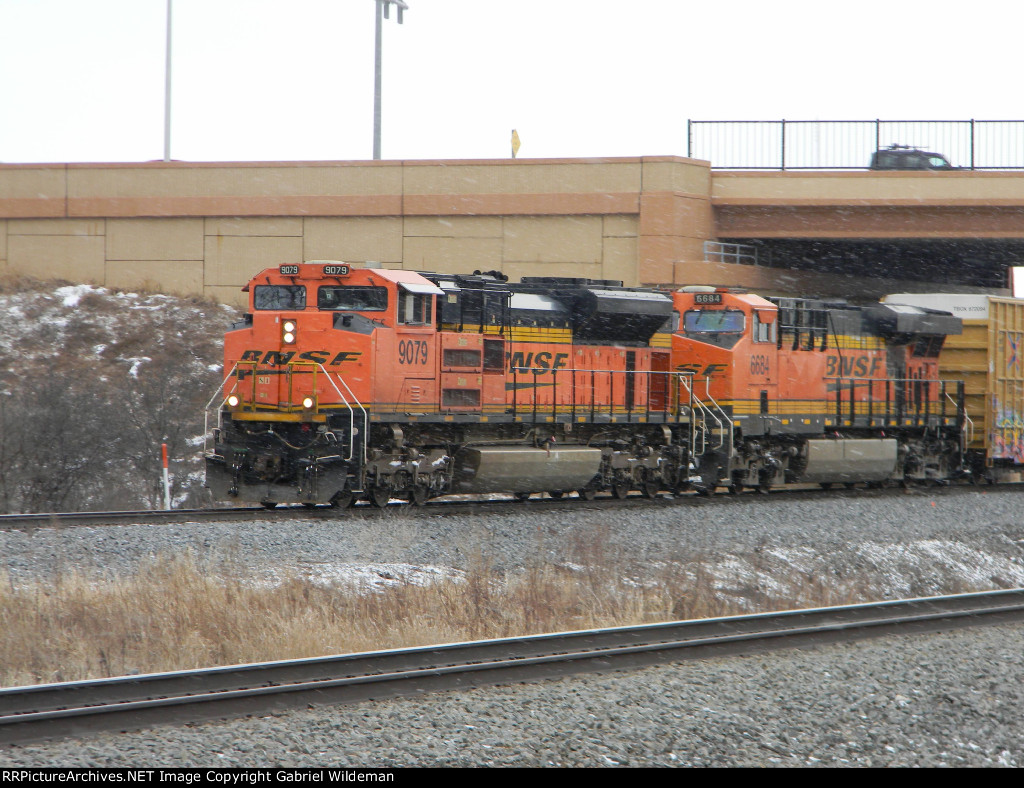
[{"x": 904, "y": 157}]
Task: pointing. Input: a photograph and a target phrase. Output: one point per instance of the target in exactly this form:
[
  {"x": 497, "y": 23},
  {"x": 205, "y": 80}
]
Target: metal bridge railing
[
  {"x": 848, "y": 144},
  {"x": 742, "y": 254}
]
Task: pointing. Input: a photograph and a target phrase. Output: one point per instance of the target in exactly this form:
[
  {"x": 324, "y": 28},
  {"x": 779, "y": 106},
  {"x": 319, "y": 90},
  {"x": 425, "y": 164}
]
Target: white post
[{"x": 167, "y": 481}]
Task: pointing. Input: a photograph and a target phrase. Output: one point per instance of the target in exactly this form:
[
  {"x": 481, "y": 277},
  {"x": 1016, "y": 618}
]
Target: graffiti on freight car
[
  {"x": 1008, "y": 436},
  {"x": 1012, "y": 340}
]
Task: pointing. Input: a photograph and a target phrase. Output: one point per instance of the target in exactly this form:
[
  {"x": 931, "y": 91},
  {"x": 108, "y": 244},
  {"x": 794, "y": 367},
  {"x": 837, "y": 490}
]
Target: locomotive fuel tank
[
  {"x": 850, "y": 460},
  {"x": 512, "y": 468}
]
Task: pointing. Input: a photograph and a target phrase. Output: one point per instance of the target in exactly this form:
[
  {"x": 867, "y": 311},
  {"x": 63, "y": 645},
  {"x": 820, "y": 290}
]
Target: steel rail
[
  {"x": 72, "y": 519},
  {"x": 10, "y": 522},
  {"x": 70, "y": 709}
]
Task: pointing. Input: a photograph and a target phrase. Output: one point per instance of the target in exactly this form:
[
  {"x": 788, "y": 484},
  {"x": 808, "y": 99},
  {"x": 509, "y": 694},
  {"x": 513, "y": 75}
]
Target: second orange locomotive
[{"x": 345, "y": 383}]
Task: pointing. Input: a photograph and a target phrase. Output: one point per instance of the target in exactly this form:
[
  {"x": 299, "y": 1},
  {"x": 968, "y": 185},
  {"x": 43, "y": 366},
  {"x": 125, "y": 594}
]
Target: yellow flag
[{"x": 515, "y": 143}]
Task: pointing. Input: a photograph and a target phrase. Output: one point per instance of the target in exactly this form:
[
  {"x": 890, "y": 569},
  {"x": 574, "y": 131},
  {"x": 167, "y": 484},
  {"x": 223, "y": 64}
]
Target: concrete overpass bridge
[
  {"x": 205, "y": 228},
  {"x": 950, "y": 228}
]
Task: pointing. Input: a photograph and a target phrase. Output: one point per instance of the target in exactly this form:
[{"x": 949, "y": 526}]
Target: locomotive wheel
[
  {"x": 587, "y": 493},
  {"x": 309, "y": 505},
  {"x": 649, "y": 488},
  {"x": 343, "y": 499},
  {"x": 621, "y": 490},
  {"x": 379, "y": 496},
  {"x": 268, "y": 504},
  {"x": 706, "y": 490},
  {"x": 825, "y": 485},
  {"x": 521, "y": 496},
  {"x": 735, "y": 488},
  {"x": 418, "y": 495},
  {"x": 849, "y": 485},
  {"x": 556, "y": 494}
]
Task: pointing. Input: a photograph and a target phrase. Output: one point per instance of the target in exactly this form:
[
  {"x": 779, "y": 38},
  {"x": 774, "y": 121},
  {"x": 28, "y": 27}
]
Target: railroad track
[
  {"x": 71, "y": 709},
  {"x": 443, "y": 507}
]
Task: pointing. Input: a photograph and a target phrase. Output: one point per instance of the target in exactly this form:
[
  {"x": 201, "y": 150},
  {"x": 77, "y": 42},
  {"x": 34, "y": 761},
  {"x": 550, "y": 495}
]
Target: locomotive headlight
[
  {"x": 307, "y": 402},
  {"x": 289, "y": 327},
  {"x": 233, "y": 400},
  {"x": 289, "y": 337}
]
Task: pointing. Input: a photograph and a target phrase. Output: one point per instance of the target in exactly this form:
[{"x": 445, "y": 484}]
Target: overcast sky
[{"x": 265, "y": 80}]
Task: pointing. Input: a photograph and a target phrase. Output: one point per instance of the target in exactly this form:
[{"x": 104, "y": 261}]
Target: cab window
[
  {"x": 713, "y": 321},
  {"x": 763, "y": 332},
  {"x": 414, "y": 308},
  {"x": 279, "y": 297},
  {"x": 354, "y": 299},
  {"x": 720, "y": 327}
]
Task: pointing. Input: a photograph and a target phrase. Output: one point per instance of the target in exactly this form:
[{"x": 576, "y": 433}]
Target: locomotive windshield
[
  {"x": 279, "y": 297},
  {"x": 356, "y": 299},
  {"x": 713, "y": 321}
]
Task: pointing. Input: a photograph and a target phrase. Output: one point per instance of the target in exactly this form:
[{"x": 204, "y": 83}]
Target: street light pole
[
  {"x": 167, "y": 88},
  {"x": 383, "y": 7}
]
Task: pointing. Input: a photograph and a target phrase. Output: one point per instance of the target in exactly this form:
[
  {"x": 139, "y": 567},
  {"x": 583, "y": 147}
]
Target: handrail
[
  {"x": 668, "y": 374},
  {"x": 224, "y": 398},
  {"x": 351, "y": 416},
  {"x": 725, "y": 432},
  {"x": 968, "y": 421},
  {"x": 905, "y": 403},
  {"x": 698, "y": 405},
  {"x": 351, "y": 412}
]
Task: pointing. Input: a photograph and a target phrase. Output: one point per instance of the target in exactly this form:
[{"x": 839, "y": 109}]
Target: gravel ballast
[
  {"x": 938, "y": 700},
  {"x": 945, "y": 699}
]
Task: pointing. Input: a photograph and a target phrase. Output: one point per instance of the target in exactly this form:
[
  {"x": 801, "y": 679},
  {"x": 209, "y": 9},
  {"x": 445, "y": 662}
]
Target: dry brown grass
[{"x": 177, "y": 613}]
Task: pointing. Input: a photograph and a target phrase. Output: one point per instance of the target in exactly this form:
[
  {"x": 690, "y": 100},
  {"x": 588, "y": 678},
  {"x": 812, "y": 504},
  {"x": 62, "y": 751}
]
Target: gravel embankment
[
  {"x": 948, "y": 699},
  {"x": 850, "y": 531}
]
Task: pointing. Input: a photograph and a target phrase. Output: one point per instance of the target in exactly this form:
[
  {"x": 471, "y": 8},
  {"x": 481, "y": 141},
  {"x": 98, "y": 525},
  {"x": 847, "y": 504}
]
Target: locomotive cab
[
  {"x": 302, "y": 370},
  {"x": 728, "y": 340},
  {"x": 307, "y": 346}
]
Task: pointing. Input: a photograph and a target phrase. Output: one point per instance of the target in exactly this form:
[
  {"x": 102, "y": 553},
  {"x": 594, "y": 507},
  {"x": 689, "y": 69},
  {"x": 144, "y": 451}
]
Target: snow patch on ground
[
  {"x": 373, "y": 577},
  {"x": 72, "y": 294},
  {"x": 891, "y": 571}
]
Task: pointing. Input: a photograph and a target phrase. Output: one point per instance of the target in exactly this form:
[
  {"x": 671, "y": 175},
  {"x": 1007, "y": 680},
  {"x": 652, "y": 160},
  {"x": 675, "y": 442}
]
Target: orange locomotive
[
  {"x": 822, "y": 392},
  {"x": 345, "y": 383}
]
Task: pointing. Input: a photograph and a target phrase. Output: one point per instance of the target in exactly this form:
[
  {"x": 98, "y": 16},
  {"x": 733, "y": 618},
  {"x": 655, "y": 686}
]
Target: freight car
[
  {"x": 346, "y": 383},
  {"x": 989, "y": 357}
]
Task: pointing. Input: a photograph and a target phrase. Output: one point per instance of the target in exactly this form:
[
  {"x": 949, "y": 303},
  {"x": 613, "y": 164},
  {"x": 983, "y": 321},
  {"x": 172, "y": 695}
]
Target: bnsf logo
[
  {"x": 856, "y": 367},
  {"x": 274, "y": 358},
  {"x": 541, "y": 361}
]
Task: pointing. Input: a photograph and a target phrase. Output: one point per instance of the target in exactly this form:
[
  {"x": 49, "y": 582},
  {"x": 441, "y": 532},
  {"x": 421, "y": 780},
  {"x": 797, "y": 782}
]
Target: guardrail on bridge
[{"x": 848, "y": 144}]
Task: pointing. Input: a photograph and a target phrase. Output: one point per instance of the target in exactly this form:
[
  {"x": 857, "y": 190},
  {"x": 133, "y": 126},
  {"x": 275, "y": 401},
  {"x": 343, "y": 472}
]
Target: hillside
[{"x": 92, "y": 381}]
